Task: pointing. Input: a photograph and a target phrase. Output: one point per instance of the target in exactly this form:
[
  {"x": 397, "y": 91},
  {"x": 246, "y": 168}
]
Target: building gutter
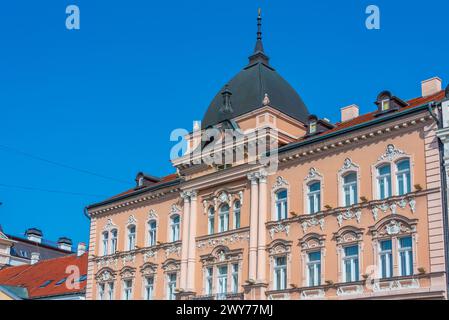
[
  {"x": 393, "y": 116},
  {"x": 444, "y": 189},
  {"x": 134, "y": 193}
]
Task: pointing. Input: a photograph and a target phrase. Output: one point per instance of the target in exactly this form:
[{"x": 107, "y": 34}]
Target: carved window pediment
[
  {"x": 171, "y": 265},
  {"x": 105, "y": 275},
  {"x": 127, "y": 272},
  {"x": 348, "y": 235},
  {"x": 221, "y": 254},
  {"x": 148, "y": 269},
  {"x": 394, "y": 226},
  {"x": 279, "y": 247},
  {"x": 312, "y": 241}
]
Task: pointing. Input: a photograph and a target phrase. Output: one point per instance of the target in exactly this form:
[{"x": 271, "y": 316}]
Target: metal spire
[{"x": 259, "y": 54}]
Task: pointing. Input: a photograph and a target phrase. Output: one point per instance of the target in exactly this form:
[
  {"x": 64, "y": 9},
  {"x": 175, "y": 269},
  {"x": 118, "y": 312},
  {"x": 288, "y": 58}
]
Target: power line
[
  {"x": 49, "y": 190},
  {"x": 62, "y": 164}
]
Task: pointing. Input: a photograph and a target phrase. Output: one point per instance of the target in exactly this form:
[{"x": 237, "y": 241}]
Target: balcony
[{"x": 220, "y": 296}]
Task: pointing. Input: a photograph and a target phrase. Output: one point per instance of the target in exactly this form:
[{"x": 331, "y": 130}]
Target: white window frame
[
  {"x": 387, "y": 180},
  {"x": 314, "y": 196},
  {"x": 281, "y": 205},
  {"x": 127, "y": 293},
  {"x": 314, "y": 265},
  {"x": 152, "y": 233},
  {"x": 222, "y": 281},
  {"x": 351, "y": 188},
  {"x": 406, "y": 176},
  {"x": 388, "y": 258},
  {"x": 114, "y": 240},
  {"x": 209, "y": 281},
  {"x": 149, "y": 288},
  {"x": 237, "y": 214},
  {"x": 131, "y": 237},
  {"x": 171, "y": 285},
  {"x": 280, "y": 270},
  {"x": 175, "y": 228},
  {"x": 410, "y": 253},
  {"x": 355, "y": 272},
  {"x": 211, "y": 221},
  {"x": 223, "y": 218},
  {"x": 105, "y": 243},
  {"x": 235, "y": 277}
]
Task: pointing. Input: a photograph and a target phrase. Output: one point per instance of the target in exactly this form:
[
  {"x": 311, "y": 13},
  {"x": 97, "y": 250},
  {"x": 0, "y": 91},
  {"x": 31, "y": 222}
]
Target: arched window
[
  {"x": 384, "y": 182},
  {"x": 174, "y": 228},
  {"x": 350, "y": 189},
  {"x": 403, "y": 177},
  {"x": 314, "y": 197},
  {"x": 223, "y": 218},
  {"x": 237, "y": 207},
  {"x": 211, "y": 221},
  {"x": 105, "y": 239},
  {"x": 131, "y": 237},
  {"x": 113, "y": 241},
  {"x": 281, "y": 205},
  {"x": 152, "y": 226}
]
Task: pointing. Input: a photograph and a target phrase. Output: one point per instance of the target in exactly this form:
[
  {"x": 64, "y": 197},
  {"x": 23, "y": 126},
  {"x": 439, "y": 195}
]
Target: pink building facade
[{"x": 352, "y": 210}]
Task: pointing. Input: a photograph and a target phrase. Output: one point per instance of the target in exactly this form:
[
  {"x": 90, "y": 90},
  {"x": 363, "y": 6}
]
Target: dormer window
[
  {"x": 312, "y": 128},
  {"x": 385, "y": 104}
]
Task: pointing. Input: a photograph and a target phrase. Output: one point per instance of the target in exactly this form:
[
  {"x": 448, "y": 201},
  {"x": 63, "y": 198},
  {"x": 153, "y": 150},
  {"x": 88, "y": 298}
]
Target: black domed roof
[{"x": 246, "y": 92}]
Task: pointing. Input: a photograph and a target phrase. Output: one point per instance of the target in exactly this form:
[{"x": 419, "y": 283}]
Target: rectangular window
[
  {"x": 237, "y": 215},
  {"x": 101, "y": 288},
  {"x": 209, "y": 281},
  {"x": 351, "y": 263},
  {"x": 384, "y": 182},
  {"x": 235, "y": 278},
  {"x": 406, "y": 256},
  {"x": 149, "y": 288},
  {"x": 385, "y": 105},
  {"x": 114, "y": 241},
  {"x": 211, "y": 221},
  {"x": 127, "y": 289},
  {"x": 386, "y": 259},
  {"x": 314, "y": 269},
  {"x": 111, "y": 291},
  {"x": 222, "y": 280},
  {"x": 280, "y": 273},
  {"x": 171, "y": 286},
  {"x": 314, "y": 197},
  {"x": 403, "y": 177}
]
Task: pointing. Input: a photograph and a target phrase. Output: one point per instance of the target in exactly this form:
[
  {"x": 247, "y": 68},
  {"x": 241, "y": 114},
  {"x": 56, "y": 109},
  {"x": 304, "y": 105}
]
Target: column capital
[
  {"x": 263, "y": 175},
  {"x": 189, "y": 195},
  {"x": 253, "y": 176}
]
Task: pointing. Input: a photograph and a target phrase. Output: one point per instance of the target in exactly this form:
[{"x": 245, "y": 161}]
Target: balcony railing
[{"x": 220, "y": 296}]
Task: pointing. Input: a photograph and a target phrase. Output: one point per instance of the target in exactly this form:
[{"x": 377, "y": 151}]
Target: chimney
[
  {"x": 349, "y": 112},
  {"x": 34, "y": 234},
  {"x": 431, "y": 86},
  {"x": 81, "y": 249},
  {"x": 65, "y": 244},
  {"x": 35, "y": 256}
]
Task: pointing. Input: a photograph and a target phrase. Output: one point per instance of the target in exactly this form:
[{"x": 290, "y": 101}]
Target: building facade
[{"x": 351, "y": 210}]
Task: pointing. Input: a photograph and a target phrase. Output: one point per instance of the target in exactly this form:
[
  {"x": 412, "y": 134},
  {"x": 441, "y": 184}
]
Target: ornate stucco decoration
[
  {"x": 105, "y": 275},
  {"x": 131, "y": 220},
  {"x": 348, "y": 165},
  {"x": 220, "y": 198},
  {"x": 312, "y": 241},
  {"x": 221, "y": 255},
  {"x": 173, "y": 249},
  {"x": 312, "y": 175},
  {"x": 348, "y": 235},
  {"x": 280, "y": 183},
  {"x": 279, "y": 247},
  {"x": 312, "y": 222},
  {"x": 396, "y": 285},
  {"x": 171, "y": 265},
  {"x": 129, "y": 258},
  {"x": 393, "y": 206},
  {"x": 224, "y": 240},
  {"x": 349, "y": 290},
  {"x": 391, "y": 153},
  {"x": 109, "y": 225},
  {"x": 149, "y": 254},
  {"x": 148, "y": 269},
  {"x": 349, "y": 215},
  {"x": 107, "y": 261},
  {"x": 127, "y": 272},
  {"x": 175, "y": 209},
  {"x": 278, "y": 228},
  {"x": 311, "y": 294},
  {"x": 393, "y": 226},
  {"x": 152, "y": 215}
]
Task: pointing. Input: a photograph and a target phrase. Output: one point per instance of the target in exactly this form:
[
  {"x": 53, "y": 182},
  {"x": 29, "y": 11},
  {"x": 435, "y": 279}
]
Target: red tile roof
[
  {"x": 32, "y": 277},
  {"x": 370, "y": 116}
]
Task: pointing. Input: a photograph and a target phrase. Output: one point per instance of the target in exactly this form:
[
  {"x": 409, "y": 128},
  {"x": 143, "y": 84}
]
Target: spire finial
[
  {"x": 259, "y": 54},
  {"x": 259, "y": 24}
]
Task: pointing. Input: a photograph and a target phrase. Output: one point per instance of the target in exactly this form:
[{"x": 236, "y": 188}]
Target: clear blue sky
[{"x": 105, "y": 98}]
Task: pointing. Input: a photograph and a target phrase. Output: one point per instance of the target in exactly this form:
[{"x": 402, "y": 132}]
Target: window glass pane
[
  {"x": 351, "y": 251},
  {"x": 349, "y": 178},
  {"x": 404, "y": 165},
  {"x": 385, "y": 245},
  {"x": 384, "y": 170},
  {"x": 405, "y": 242},
  {"x": 314, "y": 187},
  {"x": 281, "y": 195},
  {"x": 315, "y": 256}
]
